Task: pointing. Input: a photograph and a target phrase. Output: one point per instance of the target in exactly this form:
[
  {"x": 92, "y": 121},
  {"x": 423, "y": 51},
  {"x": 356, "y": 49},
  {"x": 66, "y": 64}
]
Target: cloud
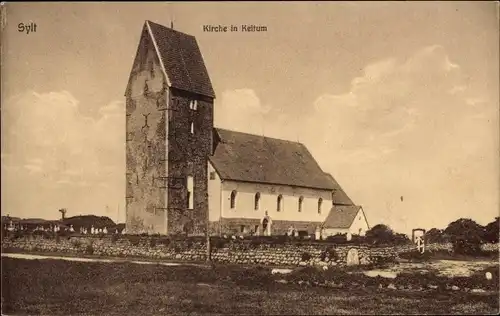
[
  {"x": 412, "y": 127},
  {"x": 60, "y": 152},
  {"x": 402, "y": 126},
  {"x": 33, "y": 168},
  {"x": 241, "y": 110}
]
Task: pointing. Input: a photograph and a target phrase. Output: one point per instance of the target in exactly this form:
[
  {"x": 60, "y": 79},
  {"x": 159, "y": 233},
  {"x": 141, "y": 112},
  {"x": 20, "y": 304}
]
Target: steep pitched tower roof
[{"x": 181, "y": 59}]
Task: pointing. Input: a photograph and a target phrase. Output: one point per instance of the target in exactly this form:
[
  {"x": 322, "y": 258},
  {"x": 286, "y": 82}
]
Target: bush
[
  {"x": 435, "y": 235},
  {"x": 382, "y": 260},
  {"x": 488, "y": 284},
  {"x": 380, "y": 234},
  {"x": 164, "y": 241},
  {"x": 400, "y": 239},
  {"x": 466, "y": 236},
  {"x": 89, "y": 249},
  {"x": 217, "y": 243},
  {"x": 63, "y": 233},
  {"x": 306, "y": 256},
  {"x": 329, "y": 253},
  {"x": 415, "y": 255},
  {"x": 466, "y": 247},
  {"x": 114, "y": 238},
  {"x": 338, "y": 238},
  {"x": 152, "y": 242},
  {"x": 177, "y": 249},
  {"x": 491, "y": 231},
  {"x": 134, "y": 240},
  {"x": 254, "y": 276}
]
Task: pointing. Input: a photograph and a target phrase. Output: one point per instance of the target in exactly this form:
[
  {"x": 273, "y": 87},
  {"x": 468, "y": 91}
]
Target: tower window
[
  {"x": 320, "y": 203},
  {"x": 301, "y": 199},
  {"x": 233, "y": 200},
  {"x": 192, "y": 128},
  {"x": 190, "y": 189},
  {"x": 193, "y": 105}
]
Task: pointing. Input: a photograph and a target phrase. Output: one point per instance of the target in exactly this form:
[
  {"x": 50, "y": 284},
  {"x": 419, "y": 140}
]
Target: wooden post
[
  {"x": 208, "y": 245},
  {"x": 208, "y": 233}
]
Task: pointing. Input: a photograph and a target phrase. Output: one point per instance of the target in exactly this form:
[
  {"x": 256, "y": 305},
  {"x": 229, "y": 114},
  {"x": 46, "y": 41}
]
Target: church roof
[
  {"x": 339, "y": 195},
  {"x": 181, "y": 59},
  {"x": 253, "y": 158},
  {"x": 341, "y": 216}
]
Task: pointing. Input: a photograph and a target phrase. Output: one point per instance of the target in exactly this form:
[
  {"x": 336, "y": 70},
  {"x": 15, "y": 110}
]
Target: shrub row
[{"x": 354, "y": 279}]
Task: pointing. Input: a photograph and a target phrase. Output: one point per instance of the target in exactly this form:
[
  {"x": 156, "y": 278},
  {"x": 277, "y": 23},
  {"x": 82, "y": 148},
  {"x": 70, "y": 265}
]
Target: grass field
[{"x": 59, "y": 287}]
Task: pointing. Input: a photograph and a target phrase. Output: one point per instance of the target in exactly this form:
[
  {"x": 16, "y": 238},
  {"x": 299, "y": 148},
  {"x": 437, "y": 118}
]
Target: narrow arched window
[
  {"x": 320, "y": 202},
  {"x": 192, "y": 128},
  {"x": 233, "y": 199},
  {"x": 257, "y": 201},
  {"x": 301, "y": 200},
  {"x": 279, "y": 203}
]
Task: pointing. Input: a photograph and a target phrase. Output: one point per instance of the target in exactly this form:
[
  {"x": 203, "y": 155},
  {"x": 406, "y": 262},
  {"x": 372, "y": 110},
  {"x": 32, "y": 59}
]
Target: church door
[{"x": 266, "y": 227}]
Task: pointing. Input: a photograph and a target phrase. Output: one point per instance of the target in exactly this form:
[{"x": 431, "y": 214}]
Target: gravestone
[
  {"x": 349, "y": 236},
  {"x": 352, "y": 257}
]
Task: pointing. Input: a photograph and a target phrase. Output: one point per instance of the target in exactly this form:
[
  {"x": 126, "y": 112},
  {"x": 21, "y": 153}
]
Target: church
[{"x": 185, "y": 176}]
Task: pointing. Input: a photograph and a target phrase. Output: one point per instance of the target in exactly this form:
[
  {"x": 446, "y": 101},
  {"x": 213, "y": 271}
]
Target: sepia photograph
[{"x": 250, "y": 158}]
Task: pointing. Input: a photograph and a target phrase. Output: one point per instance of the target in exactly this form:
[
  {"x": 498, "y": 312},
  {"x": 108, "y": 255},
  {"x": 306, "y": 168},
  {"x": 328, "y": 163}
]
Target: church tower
[{"x": 169, "y": 124}]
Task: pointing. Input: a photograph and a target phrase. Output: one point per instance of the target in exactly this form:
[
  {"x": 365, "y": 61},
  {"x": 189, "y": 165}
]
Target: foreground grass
[
  {"x": 58, "y": 287},
  {"x": 416, "y": 256}
]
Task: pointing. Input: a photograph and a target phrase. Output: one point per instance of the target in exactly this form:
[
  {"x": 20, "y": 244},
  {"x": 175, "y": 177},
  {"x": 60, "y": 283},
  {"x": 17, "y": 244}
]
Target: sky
[{"x": 399, "y": 101}]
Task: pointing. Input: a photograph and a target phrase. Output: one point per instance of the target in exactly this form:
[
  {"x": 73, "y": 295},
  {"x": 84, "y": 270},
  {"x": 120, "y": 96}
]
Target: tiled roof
[
  {"x": 341, "y": 216},
  {"x": 339, "y": 195},
  {"x": 182, "y": 59},
  {"x": 253, "y": 158}
]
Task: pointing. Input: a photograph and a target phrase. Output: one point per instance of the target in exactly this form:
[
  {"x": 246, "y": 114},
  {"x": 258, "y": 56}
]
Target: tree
[
  {"x": 435, "y": 235},
  {"x": 491, "y": 231},
  {"x": 380, "y": 234},
  {"x": 400, "y": 238},
  {"x": 466, "y": 236},
  {"x": 63, "y": 213}
]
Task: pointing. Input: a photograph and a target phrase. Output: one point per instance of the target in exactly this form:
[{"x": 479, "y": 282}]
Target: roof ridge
[
  {"x": 168, "y": 28},
  {"x": 261, "y": 136}
]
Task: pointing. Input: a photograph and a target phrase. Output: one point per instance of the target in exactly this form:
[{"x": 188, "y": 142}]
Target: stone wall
[
  {"x": 297, "y": 254},
  {"x": 111, "y": 246},
  {"x": 194, "y": 249},
  {"x": 288, "y": 253}
]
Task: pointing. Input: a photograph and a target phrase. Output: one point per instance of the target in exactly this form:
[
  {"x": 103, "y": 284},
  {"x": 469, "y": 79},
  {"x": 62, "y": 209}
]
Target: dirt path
[{"x": 87, "y": 259}]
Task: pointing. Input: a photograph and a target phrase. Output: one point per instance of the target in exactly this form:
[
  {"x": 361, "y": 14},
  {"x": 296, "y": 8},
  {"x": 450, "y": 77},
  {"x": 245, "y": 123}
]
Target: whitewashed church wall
[{"x": 245, "y": 202}]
